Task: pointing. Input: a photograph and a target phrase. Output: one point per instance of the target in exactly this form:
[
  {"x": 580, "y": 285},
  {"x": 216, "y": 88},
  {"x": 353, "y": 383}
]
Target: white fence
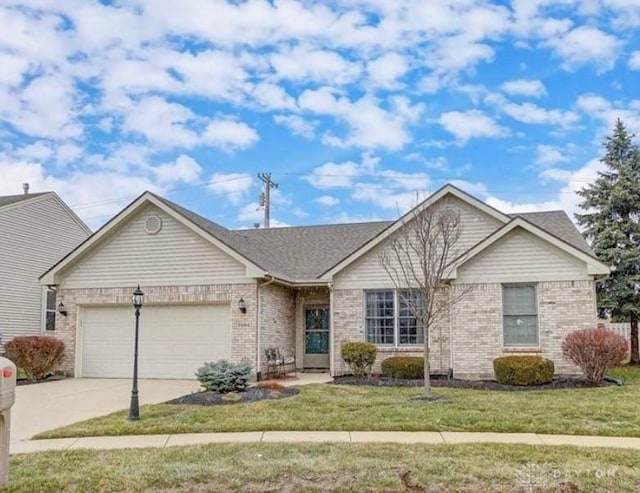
[{"x": 622, "y": 328}]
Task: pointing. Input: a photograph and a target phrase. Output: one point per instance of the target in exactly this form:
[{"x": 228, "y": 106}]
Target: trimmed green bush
[
  {"x": 404, "y": 367},
  {"x": 224, "y": 376},
  {"x": 360, "y": 357},
  {"x": 38, "y": 356},
  {"x": 523, "y": 370}
]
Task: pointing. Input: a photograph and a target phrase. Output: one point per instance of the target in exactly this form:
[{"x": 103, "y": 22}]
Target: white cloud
[
  {"x": 464, "y": 125},
  {"x": 567, "y": 199},
  {"x": 477, "y": 189},
  {"x": 234, "y": 186},
  {"x": 555, "y": 174},
  {"x": 303, "y": 63},
  {"x": 634, "y": 60},
  {"x": 327, "y": 200},
  {"x": 162, "y": 123},
  {"x": 370, "y": 125},
  {"x": 547, "y": 155},
  {"x": 399, "y": 201},
  {"x": 84, "y": 192},
  {"x": 524, "y": 87},
  {"x": 334, "y": 175},
  {"x": 273, "y": 97},
  {"x": 184, "y": 169},
  {"x": 385, "y": 70},
  {"x": 586, "y": 45},
  {"x": 229, "y": 134},
  {"x": 607, "y": 112},
  {"x": 44, "y": 108},
  {"x": 532, "y": 113},
  {"x": 297, "y": 125}
]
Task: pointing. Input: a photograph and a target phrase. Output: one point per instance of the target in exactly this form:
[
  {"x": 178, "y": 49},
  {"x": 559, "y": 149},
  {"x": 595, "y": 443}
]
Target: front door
[{"x": 316, "y": 337}]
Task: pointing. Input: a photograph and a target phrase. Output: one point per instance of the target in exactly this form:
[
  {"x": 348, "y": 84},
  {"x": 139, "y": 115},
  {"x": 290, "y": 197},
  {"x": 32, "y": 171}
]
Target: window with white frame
[
  {"x": 50, "y": 310},
  {"x": 520, "y": 315},
  {"x": 389, "y": 319}
]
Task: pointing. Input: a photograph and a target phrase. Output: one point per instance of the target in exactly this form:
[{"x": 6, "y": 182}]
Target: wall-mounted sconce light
[
  {"x": 242, "y": 305},
  {"x": 61, "y": 309}
]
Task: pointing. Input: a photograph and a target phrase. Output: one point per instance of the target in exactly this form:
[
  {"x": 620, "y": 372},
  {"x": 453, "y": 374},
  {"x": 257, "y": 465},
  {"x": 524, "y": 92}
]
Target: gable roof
[
  {"x": 447, "y": 189},
  {"x": 558, "y": 224},
  {"x": 594, "y": 266},
  {"x": 11, "y": 201},
  {"x": 312, "y": 253},
  {"x": 196, "y": 223},
  {"x": 14, "y": 199}
]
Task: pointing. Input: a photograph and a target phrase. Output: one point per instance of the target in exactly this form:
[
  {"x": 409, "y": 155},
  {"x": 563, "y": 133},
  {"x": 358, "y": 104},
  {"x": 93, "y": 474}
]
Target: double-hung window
[
  {"x": 520, "y": 315},
  {"x": 390, "y": 320},
  {"x": 50, "y": 310}
]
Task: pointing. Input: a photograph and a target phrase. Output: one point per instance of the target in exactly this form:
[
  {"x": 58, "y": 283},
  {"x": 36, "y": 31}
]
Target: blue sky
[{"x": 357, "y": 107}]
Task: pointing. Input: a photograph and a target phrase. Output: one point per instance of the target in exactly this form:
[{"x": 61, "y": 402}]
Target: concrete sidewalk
[{"x": 426, "y": 437}]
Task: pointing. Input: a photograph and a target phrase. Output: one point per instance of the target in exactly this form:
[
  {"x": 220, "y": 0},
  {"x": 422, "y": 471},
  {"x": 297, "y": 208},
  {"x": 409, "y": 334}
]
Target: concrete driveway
[{"x": 44, "y": 406}]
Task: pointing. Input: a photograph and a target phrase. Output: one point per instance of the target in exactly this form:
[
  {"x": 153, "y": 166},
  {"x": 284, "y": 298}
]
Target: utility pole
[{"x": 265, "y": 197}]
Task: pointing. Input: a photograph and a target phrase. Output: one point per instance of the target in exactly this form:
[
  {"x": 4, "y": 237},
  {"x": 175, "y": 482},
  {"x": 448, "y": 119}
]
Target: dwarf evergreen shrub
[{"x": 523, "y": 370}]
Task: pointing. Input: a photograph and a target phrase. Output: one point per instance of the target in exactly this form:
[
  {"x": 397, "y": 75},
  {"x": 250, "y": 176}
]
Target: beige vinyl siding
[
  {"x": 522, "y": 257},
  {"x": 33, "y": 236},
  {"x": 176, "y": 255},
  {"x": 368, "y": 273}
]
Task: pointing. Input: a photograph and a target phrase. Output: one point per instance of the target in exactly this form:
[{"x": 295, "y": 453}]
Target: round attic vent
[{"x": 152, "y": 225}]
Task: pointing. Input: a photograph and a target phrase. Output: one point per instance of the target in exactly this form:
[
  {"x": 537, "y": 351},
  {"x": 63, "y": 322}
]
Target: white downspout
[
  {"x": 331, "y": 331},
  {"x": 258, "y": 325},
  {"x": 451, "y": 359}
]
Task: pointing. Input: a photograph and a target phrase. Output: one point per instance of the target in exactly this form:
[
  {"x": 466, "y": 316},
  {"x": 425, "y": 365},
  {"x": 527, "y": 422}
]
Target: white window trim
[
  {"x": 516, "y": 347},
  {"x": 45, "y": 310},
  {"x": 396, "y": 312}
]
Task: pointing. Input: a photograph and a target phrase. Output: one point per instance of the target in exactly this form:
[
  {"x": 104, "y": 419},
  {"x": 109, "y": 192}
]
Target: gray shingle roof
[
  {"x": 305, "y": 252},
  {"x": 12, "y": 199},
  {"x": 558, "y": 224}
]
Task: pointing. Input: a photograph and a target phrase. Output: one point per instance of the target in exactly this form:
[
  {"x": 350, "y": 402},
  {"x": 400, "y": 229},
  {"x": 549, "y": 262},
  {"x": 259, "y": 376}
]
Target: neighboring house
[
  {"x": 214, "y": 293},
  {"x": 35, "y": 230}
]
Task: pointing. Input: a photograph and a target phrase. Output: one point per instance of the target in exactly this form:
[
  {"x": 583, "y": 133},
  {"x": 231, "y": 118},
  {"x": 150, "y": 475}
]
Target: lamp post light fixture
[{"x": 134, "y": 407}]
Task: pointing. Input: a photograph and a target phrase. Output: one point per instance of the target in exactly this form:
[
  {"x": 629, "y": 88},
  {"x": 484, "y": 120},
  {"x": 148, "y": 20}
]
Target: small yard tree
[
  {"x": 612, "y": 224},
  {"x": 595, "y": 351},
  {"x": 417, "y": 259}
]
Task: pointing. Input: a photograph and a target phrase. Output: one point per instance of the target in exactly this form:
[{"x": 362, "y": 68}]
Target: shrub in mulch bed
[
  {"x": 375, "y": 381},
  {"x": 252, "y": 394}
]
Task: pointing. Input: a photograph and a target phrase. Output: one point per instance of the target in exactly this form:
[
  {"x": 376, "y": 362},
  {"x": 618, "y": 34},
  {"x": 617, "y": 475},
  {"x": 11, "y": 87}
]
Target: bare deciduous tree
[{"x": 417, "y": 260}]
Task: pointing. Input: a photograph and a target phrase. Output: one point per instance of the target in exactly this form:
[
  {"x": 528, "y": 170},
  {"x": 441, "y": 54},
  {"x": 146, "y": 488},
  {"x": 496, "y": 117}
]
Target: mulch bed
[
  {"x": 377, "y": 381},
  {"x": 51, "y": 378},
  {"x": 252, "y": 394}
]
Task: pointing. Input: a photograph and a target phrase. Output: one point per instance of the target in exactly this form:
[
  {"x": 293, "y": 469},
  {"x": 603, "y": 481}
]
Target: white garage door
[{"x": 174, "y": 340}]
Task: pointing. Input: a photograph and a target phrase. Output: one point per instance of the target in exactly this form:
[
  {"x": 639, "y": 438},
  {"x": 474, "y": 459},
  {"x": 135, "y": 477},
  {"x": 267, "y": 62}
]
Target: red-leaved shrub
[
  {"x": 36, "y": 355},
  {"x": 595, "y": 351}
]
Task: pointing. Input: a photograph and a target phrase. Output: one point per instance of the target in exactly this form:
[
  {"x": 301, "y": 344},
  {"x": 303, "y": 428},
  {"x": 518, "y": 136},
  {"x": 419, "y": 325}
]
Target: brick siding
[
  {"x": 476, "y": 327},
  {"x": 243, "y": 325}
]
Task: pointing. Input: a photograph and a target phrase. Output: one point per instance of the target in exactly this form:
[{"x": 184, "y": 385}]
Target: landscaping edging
[
  {"x": 252, "y": 394},
  {"x": 378, "y": 381}
]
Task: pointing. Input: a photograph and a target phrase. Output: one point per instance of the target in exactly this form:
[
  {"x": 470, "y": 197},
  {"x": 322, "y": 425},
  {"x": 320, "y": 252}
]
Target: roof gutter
[{"x": 258, "y": 323}]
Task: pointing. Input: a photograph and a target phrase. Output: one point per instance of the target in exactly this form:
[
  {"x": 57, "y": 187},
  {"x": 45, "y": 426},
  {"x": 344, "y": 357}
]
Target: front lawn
[
  {"x": 327, "y": 468},
  {"x": 589, "y": 411}
]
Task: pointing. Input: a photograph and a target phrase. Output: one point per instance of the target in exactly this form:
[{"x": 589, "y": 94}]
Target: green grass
[
  {"x": 592, "y": 411},
  {"x": 327, "y": 468}
]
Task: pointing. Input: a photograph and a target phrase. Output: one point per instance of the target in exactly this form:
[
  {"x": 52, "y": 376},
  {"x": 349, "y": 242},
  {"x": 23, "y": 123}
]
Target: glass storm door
[{"x": 316, "y": 337}]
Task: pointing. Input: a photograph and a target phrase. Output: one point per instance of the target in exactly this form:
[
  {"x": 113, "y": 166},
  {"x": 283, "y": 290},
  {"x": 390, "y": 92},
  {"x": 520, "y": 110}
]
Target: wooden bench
[{"x": 279, "y": 365}]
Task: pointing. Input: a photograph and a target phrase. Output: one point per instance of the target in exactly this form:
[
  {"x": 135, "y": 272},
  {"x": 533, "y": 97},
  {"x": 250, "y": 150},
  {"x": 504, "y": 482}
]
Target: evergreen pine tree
[{"x": 612, "y": 225}]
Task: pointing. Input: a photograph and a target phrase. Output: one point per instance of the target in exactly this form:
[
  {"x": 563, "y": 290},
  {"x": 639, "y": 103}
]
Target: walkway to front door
[{"x": 316, "y": 337}]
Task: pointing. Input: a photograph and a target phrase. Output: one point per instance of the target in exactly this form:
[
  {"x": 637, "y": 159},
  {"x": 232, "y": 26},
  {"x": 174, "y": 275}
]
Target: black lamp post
[{"x": 134, "y": 407}]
